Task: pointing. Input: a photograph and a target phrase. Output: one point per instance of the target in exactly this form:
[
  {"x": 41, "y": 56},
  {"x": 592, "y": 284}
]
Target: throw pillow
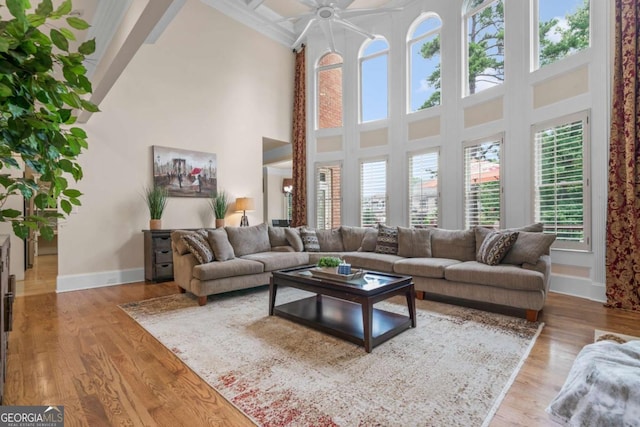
[
  {"x": 330, "y": 240},
  {"x": 293, "y": 238},
  {"x": 219, "y": 241},
  {"x": 249, "y": 240},
  {"x": 178, "y": 243},
  {"x": 481, "y": 232},
  {"x": 277, "y": 236},
  {"x": 199, "y": 246},
  {"x": 352, "y": 237},
  {"x": 369, "y": 240},
  {"x": 387, "y": 242},
  {"x": 414, "y": 242},
  {"x": 495, "y": 246},
  {"x": 529, "y": 247},
  {"x": 309, "y": 240}
]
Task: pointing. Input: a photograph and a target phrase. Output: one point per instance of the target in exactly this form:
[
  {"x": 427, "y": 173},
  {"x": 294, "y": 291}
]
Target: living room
[{"x": 211, "y": 83}]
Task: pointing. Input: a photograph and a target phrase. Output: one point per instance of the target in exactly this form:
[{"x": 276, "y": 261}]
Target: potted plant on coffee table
[
  {"x": 156, "y": 198},
  {"x": 219, "y": 203}
]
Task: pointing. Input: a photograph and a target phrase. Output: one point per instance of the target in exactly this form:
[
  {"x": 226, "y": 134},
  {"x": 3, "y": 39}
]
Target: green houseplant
[
  {"x": 42, "y": 86},
  {"x": 156, "y": 198},
  {"x": 219, "y": 203}
]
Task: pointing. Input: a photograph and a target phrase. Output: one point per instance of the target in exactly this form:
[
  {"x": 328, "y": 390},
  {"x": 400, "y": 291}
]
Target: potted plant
[
  {"x": 156, "y": 198},
  {"x": 219, "y": 203}
]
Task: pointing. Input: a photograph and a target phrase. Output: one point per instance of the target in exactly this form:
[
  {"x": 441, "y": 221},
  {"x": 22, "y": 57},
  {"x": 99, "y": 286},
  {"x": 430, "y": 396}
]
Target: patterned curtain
[
  {"x": 623, "y": 219},
  {"x": 299, "y": 143}
]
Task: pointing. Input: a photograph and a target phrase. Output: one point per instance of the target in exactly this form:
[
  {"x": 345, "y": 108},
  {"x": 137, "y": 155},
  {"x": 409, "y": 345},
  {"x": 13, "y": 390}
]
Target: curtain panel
[
  {"x": 299, "y": 143},
  {"x": 623, "y": 216}
]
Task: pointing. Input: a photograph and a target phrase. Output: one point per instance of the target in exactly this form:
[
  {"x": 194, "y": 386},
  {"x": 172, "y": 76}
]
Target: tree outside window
[{"x": 563, "y": 29}]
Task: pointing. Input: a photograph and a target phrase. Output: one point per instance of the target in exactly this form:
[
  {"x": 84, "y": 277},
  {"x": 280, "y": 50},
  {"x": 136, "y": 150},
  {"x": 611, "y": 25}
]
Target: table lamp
[{"x": 244, "y": 204}]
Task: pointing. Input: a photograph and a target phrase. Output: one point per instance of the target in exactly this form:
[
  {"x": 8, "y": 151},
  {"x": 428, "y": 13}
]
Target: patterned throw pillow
[
  {"x": 309, "y": 240},
  {"x": 198, "y": 245},
  {"x": 387, "y": 242},
  {"x": 495, "y": 246}
]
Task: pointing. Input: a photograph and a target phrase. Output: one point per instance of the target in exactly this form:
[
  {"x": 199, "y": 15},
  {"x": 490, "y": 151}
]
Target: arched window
[
  {"x": 484, "y": 20},
  {"x": 423, "y": 42},
  {"x": 329, "y": 91},
  {"x": 374, "y": 86}
]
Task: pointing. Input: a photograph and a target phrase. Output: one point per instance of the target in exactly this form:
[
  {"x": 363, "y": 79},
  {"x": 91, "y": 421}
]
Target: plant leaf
[
  {"x": 45, "y": 8},
  {"x": 66, "y": 206},
  {"x": 77, "y": 23},
  {"x": 68, "y": 33},
  {"x": 72, "y": 193},
  {"x": 64, "y": 9},
  {"x": 89, "y": 106},
  {"x": 5, "y": 91},
  {"x": 59, "y": 40},
  {"x": 88, "y": 47},
  {"x": 16, "y": 8}
]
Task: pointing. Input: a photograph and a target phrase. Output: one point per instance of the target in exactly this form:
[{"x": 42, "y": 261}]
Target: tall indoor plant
[
  {"x": 156, "y": 198},
  {"x": 219, "y": 203},
  {"x": 42, "y": 87}
]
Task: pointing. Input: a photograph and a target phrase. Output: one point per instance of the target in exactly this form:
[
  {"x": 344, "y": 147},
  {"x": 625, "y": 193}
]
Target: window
[
  {"x": 562, "y": 29},
  {"x": 328, "y": 196},
  {"x": 423, "y": 43},
  {"x": 561, "y": 187},
  {"x": 423, "y": 189},
  {"x": 373, "y": 192},
  {"x": 374, "y": 58},
  {"x": 330, "y": 91},
  {"x": 482, "y": 184},
  {"x": 485, "y": 45}
]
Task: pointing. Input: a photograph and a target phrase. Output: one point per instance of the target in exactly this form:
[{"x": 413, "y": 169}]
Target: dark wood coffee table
[{"x": 344, "y": 308}]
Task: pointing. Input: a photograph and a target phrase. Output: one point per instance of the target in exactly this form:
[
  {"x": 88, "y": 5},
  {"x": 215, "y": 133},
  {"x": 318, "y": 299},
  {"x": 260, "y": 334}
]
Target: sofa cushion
[
  {"x": 352, "y": 237},
  {"x": 529, "y": 247},
  {"x": 219, "y": 242},
  {"x": 199, "y": 246},
  {"x": 453, "y": 244},
  {"x": 414, "y": 242},
  {"x": 286, "y": 248},
  {"x": 309, "y": 239},
  {"x": 501, "y": 276},
  {"x": 481, "y": 232},
  {"x": 231, "y": 268},
  {"x": 249, "y": 240},
  {"x": 277, "y": 236},
  {"x": 495, "y": 246},
  {"x": 330, "y": 240},
  {"x": 387, "y": 242},
  {"x": 423, "y": 267},
  {"x": 314, "y": 257},
  {"x": 294, "y": 239},
  {"x": 278, "y": 260},
  {"x": 371, "y": 261},
  {"x": 369, "y": 240}
]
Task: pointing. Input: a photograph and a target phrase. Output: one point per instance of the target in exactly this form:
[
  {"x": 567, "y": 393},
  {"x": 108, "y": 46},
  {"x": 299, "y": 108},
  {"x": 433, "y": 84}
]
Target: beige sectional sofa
[{"x": 441, "y": 262}]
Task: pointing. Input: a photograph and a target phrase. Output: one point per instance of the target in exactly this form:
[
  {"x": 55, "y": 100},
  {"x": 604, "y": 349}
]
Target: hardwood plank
[{"x": 80, "y": 350}]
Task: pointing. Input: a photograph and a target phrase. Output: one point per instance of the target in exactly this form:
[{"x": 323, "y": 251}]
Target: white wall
[
  {"x": 208, "y": 84},
  {"x": 525, "y": 98},
  {"x": 274, "y": 197}
]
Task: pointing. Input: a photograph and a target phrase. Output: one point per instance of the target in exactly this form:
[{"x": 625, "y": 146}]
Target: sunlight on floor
[{"x": 40, "y": 279}]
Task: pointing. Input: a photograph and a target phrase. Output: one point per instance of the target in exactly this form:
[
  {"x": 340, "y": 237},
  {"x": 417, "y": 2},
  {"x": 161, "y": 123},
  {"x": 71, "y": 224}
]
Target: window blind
[
  {"x": 423, "y": 189},
  {"x": 373, "y": 193},
  {"x": 482, "y": 185}
]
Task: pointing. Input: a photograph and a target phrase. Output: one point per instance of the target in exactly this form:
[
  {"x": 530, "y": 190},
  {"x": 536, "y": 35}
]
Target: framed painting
[{"x": 185, "y": 173}]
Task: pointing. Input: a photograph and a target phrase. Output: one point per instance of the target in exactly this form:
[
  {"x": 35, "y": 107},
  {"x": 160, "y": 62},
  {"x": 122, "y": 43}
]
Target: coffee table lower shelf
[{"x": 343, "y": 319}]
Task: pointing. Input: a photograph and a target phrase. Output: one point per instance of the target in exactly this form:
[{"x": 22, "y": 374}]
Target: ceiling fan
[{"x": 328, "y": 14}]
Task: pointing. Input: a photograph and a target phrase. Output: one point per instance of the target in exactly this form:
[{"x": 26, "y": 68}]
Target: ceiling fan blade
[
  {"x": 311, "y": 3},
  {"x": 353, "y": 27},
  {"x": 303, "y": 33},
  {"x": 294, "y": 18},
  {"x": 360, "y": 12},
  {"x": 328, "y": 34}
]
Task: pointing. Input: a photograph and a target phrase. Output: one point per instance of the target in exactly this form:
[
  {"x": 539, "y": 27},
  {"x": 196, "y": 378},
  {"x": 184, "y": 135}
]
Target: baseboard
[
  {"x": 76, "y": 282},
  {"x": 578, "y": 287}
]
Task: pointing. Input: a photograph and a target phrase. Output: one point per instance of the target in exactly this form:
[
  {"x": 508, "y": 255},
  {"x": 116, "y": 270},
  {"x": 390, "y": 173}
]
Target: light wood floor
[
  {"x": 41, "y": 278},
  {"x": 78, "y": 349}
]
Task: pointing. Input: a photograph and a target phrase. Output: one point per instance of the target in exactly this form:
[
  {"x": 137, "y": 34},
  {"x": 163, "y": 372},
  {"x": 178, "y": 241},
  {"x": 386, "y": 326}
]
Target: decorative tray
[{"x": 330, "y": 273}]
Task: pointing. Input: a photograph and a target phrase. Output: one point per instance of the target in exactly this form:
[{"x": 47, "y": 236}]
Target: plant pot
[
  {"x": 219, "y": 223},
  {"x": 155, "y": 224}
]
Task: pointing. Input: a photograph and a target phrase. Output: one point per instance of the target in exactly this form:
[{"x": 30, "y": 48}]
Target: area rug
[{"x": 454, "y": 368}]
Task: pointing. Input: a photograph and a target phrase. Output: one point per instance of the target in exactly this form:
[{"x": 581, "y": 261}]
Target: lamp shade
[
  {"x": 244, "y": 204},
  {"x": 287, "y": 185}
]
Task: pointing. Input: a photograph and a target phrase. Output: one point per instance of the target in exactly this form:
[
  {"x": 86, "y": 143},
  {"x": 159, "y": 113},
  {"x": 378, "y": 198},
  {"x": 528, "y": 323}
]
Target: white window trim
[
  {"x": 408, "y": 191},
  {"x": 495, "y": 137},
  {"x": 361, "y": 59},
  {"x": 386, "y": 204},
  {"x": 585, "y": 117},
  {"x": 409, "y": 42}
]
